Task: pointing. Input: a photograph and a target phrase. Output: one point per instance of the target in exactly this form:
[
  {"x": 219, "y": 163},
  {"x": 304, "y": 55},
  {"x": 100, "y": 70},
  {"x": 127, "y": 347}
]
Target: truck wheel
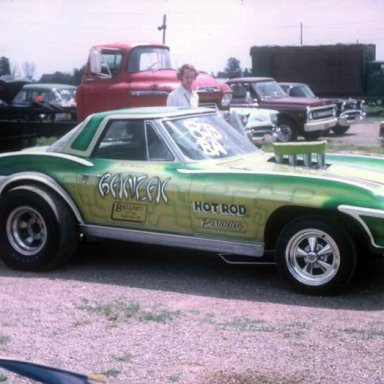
[
  {"x": 316, "y": 255},
  {"x": 310, "y": 136},
  {"x": 287, "y": 130},
  {"x": 340, "y": 130},
  {"x": 37, "y": 230}
]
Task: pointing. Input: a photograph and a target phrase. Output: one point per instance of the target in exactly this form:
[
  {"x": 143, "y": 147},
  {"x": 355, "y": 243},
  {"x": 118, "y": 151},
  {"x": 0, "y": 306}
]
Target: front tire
[
  {"x": 316, "y": 255},
  {"x": 287, "y": 130},
  {"x": 37, "y": 230},
  {"x": 339, "y": 130}
]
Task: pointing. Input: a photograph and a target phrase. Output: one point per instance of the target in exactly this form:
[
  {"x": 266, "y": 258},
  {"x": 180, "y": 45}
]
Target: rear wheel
[
  {"x": 316, "y": 255},
  {"x": 37, "y": 230}
]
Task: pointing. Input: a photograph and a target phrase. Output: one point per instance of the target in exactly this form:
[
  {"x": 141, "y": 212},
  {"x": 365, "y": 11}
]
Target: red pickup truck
[{"x": 121, "y": 75}]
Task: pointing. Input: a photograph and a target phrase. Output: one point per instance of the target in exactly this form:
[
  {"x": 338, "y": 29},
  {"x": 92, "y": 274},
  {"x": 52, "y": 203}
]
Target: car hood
[
  {"x": 361, "y": 171},
  {"x": 9, "y": 89},
  {"x": 275, "y": 102}
]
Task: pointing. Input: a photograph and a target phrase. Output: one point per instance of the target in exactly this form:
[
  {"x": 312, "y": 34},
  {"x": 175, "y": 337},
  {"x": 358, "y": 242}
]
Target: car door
[{"x": 134, "y": 182}]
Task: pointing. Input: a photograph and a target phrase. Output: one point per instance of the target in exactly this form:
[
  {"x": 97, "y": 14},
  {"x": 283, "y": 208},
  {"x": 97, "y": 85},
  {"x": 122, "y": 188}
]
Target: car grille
[{"x": 323, "y": 112}]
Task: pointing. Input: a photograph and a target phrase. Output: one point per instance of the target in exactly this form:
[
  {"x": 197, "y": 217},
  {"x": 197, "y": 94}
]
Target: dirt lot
[
  {"x": 359, "y": 134},
  {"x": 159, "y": 315}
]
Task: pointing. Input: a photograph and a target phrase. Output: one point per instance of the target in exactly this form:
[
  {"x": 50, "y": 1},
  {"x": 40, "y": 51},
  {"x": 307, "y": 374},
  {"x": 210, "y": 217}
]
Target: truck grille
[{"x": 323, "y": 112}]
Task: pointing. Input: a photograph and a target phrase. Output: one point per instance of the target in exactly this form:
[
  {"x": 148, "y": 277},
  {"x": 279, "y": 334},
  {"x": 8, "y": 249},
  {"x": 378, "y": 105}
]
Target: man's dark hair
[{"x": 183, "y": 68}]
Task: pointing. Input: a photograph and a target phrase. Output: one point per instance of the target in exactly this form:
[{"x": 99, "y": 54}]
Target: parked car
[
  {"x": 259, "y": 125},
  {"x": 349, "y": 111},
  {"x": 307, "y": 117},
  {"x": 183, "y": 177},
  {"x": 23, "y": 101}
]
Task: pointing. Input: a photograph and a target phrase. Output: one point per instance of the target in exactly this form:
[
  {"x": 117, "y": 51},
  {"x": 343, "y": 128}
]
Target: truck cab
[{"x": 121, "y": 75}]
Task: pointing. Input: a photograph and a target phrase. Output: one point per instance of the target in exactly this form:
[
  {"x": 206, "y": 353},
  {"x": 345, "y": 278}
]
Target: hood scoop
[{"x": 307, "y": 154}]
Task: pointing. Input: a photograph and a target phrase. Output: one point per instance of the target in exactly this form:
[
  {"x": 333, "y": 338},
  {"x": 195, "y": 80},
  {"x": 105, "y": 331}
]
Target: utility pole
[
  {"x": 163, "y": 27},
  {"x": 301, "y": 33}
]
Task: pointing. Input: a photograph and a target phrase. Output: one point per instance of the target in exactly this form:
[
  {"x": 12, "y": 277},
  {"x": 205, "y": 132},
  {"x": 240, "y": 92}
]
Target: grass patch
[
  {"x": 248, "y": 325},
  {"x": 4, "y": 340},
  {"x": 111, "y": 372},
  {"x": 365, "y": 334},
  {"x": 119, "y": 310},
  {"x": 162, "y": 316},
  {"x": 3, "y": 378},
  {"x": 127, "y": 358}
]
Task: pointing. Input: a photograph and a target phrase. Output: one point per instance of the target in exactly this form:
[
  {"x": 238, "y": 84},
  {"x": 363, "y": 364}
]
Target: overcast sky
[{"x": 56, "y": 34}]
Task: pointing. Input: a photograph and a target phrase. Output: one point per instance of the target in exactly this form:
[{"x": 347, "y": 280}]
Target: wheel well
[
  {"x": 46, "y": 188},
  {"x": 287, "y": 118},
  {"x": 282, "y": 216}
]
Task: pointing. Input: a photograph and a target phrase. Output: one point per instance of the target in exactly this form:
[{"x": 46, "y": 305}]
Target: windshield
[
  {"x": 268, "y": 89},
  {"x": 207, "y": 137},
  {"x": 149, "y": 58},
  {"x": 301, "y": 91}
]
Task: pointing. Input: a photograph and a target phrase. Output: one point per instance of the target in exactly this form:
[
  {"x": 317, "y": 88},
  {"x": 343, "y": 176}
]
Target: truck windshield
[
  {"x": 265, "y": 89},
  {"x": 149, "y": 58},
  {"x": 207, "y": 137}
]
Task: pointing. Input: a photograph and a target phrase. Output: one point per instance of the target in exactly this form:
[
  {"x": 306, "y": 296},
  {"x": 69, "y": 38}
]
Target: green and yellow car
[{"x": 183, "y": 177}]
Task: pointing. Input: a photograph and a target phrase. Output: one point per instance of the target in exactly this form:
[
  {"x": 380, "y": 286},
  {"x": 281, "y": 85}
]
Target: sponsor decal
[
  {"x": 219, "y": 208},
  {"x": 223, "y": 225},
  {"x": 129, "y": 212},
  {"x": 139, "y": 188}
]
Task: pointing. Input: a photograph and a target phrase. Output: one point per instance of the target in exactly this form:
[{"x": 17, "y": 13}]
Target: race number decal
[{"x": 207, "y": 137}]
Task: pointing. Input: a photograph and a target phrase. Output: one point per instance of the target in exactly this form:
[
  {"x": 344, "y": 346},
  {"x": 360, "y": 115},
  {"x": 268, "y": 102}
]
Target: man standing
[{"x": 183, "y": 95}]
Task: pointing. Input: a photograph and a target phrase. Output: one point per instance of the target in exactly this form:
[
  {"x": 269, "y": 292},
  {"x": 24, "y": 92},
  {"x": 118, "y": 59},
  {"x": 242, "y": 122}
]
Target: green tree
[
  {"x": 5, "y": 67},
  {"x": 233, "y": 68}
]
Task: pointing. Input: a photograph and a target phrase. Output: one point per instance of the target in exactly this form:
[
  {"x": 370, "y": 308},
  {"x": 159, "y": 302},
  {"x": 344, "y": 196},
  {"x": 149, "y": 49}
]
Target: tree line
[{"x": 28, "y": 71}]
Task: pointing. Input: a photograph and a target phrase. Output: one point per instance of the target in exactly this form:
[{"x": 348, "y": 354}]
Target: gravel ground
[{"x": 159, "y": 315}]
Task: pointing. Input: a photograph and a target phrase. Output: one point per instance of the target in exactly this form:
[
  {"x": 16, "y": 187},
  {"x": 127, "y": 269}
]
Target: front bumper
[
  {"x": 351, "y": 116},
  {"x": 262, "y": 135},
  {"x": 320, "y": 125}
]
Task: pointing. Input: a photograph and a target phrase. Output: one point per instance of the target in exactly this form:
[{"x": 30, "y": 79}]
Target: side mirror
[{"x": 97, "y": 65}]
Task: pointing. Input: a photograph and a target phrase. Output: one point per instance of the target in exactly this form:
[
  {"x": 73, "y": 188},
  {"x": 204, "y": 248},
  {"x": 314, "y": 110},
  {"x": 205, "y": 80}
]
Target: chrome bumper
[
  {"x": 350, "y": 116},
  {"x": 320, "y": 125}
]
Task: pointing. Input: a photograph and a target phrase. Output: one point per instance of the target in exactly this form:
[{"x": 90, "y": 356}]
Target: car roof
[
  {"x": 151, "y": 112},
  {"x": 248, "y": 79},
  {"x": 47, "y": 86},
  {"x": 290, "y": 84}
]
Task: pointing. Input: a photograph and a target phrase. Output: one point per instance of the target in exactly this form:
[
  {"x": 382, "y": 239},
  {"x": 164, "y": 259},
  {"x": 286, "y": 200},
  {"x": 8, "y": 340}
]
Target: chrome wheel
[
  {"x": 26, "y": 230},
  {"x": 285, "y": 133},
  {"x": 312, "y": 257}
]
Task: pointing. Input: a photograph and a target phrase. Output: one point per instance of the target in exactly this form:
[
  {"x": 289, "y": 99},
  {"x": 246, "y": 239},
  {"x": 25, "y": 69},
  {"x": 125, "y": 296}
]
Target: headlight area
[{"x": 226, "y": 99}]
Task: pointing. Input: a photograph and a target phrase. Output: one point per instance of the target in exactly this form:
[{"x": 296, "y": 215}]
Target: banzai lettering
[{"x": 139, "y": 188}]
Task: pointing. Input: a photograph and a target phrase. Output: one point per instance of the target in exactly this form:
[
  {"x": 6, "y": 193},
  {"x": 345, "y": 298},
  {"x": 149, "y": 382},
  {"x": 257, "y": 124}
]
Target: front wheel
[
  {"x": 339, "y": 130},
  {"x": 287, "y": 129},
  {"x": 37, "y": 231},
  {"x": 316, "y": 255}
]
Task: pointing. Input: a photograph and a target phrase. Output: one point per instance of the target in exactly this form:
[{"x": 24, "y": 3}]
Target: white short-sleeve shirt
[{"x": 181, "y": 97}]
